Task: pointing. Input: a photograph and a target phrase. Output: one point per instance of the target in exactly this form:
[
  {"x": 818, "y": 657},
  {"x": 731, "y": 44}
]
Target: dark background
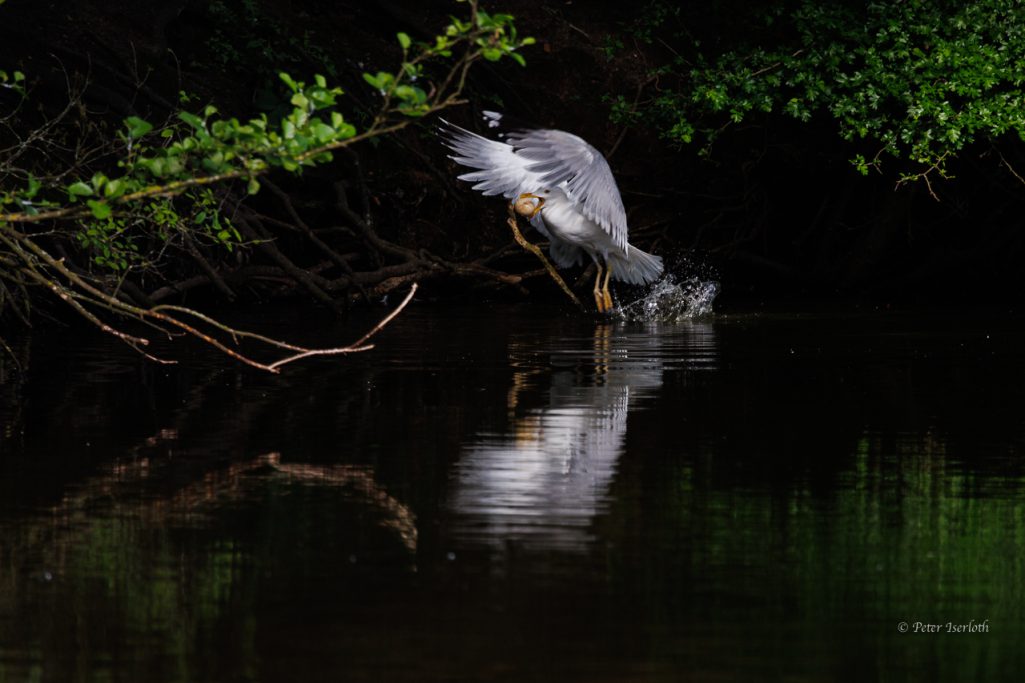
[{"x": 776, "y": 211}]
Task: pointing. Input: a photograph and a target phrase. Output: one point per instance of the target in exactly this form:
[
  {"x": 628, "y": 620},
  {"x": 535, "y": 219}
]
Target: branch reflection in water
[{"x": 541, "y": 481}]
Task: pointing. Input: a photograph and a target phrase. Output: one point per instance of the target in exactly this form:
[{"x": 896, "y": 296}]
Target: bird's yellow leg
[
  {"x": 599, "y": 300},
  {"x": 525, "y": 207},
  {"x": 605, "y": 288}
]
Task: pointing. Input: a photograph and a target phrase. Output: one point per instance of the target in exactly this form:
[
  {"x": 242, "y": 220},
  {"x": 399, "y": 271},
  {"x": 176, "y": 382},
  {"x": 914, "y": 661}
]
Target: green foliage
[
  {"x": 182, "y": 158},
  {"x": 158, "y": 190},
  {"x": 500, "y": 39},
  {"x": 14, "y": 81},
  {"x": 109, "y": 243},
  {"x": 206, "y": 144},
  {"x": 611, "y": 46},
  {"x": 132, "y": 240},
  {"x": 621, "y": 111},
  {"x": 916, "y": 81},
  {"x": 109, "y": 223},
  {"x": 491, "y": 36}
]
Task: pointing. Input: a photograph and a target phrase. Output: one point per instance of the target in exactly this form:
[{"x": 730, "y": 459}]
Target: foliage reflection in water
[{"x": 521, "y": 495}]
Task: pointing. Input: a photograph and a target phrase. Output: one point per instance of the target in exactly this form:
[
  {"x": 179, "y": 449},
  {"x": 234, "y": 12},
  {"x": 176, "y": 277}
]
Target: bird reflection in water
[{"x": 542, "y": 480}]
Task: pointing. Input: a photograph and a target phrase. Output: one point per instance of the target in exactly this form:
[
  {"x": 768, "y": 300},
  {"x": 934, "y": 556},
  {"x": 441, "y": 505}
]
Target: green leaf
[
  {"x": 137, "y": 127},
  {"x": 322, "y": 132},
  {"x": 221, "y": 129},
  {"x": 288, "y": 81},
  {"x": 114, "y": 188},
  {"x": 157, "y": 167},
  {"x": 381, "y": 81},
  {"x": 373, "y": 81},
  {"x": 80, "y": 189},
  {"x": 214, "y": 163},
  {"x": 321, "y": 98},
  {"x": 33, "y": 187},
  {"x": 254, "y": 186},
  {"x": 404, "y": 40},
  {"x": 100, "y": 209},
  {"x": 192, "y": 120}
]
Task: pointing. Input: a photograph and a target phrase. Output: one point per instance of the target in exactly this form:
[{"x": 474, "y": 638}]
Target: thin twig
[
  {"x": 235, "y": 334},
  {"x": 356, "y": 346},
  {"x": 387, "y": 319},
  {"x": 1011, "y": 168}
]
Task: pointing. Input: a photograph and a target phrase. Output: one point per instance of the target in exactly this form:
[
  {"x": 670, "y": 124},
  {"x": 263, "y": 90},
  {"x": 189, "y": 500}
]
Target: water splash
[{"x": 670, "y": 301}]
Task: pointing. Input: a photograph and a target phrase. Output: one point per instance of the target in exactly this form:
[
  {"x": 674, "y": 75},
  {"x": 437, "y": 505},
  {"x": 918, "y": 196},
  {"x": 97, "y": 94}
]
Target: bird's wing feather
[
  {"x": 500, "y": 170},
  {"x": 563, "y": 159}
]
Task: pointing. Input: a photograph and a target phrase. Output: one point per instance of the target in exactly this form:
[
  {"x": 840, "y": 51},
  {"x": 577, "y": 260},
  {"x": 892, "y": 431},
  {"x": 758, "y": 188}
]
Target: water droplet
[{"x": 671, "y": 301}]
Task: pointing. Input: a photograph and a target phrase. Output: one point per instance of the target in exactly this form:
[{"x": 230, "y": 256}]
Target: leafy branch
[
  {"x": 204, "y": 148},
  {"x": 915, "y": 82},
  {"x": 198, "y": 150}
]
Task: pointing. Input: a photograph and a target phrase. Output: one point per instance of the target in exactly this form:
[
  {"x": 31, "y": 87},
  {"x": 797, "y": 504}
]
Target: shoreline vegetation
[{"x": 171, "y": 158}]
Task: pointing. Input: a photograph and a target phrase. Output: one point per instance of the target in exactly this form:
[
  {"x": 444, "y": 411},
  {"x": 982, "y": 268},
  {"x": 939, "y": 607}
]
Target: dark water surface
[{"x": 519, "y": 494}]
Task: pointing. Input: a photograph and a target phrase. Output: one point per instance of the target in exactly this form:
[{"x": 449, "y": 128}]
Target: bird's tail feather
[{"x": 638, "y": 268}]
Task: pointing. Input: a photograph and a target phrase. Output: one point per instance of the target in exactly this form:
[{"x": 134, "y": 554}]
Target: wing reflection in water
[{"x": 541, "y": 481}]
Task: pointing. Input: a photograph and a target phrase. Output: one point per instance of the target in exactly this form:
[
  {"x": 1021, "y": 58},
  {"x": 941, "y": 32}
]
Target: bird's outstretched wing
[
  {"x": 499, "y": 169},
  {"x": 565, "y": 160},
  {"x": 533, "y": 160}
]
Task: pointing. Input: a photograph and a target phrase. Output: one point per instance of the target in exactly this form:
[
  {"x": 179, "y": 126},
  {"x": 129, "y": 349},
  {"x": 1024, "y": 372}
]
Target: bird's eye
[{"x": 547, "y": 191}]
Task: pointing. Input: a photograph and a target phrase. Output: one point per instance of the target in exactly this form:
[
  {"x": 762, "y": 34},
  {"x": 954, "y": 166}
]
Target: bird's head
[{"x": 527, "y": 204}]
